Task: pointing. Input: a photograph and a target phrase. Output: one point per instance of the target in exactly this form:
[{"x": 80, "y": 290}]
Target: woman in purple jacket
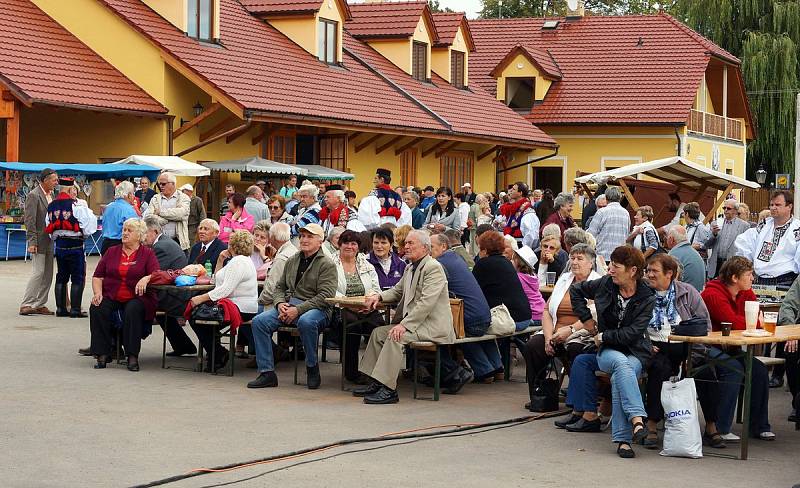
[
  {"x": 119, "y": 284},
  {"x": 387, "y": 264}
]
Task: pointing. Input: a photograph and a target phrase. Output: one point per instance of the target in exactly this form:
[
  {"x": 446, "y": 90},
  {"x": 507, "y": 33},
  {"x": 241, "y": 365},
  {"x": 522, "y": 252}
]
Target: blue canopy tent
[{"x": 92, "y": 171}]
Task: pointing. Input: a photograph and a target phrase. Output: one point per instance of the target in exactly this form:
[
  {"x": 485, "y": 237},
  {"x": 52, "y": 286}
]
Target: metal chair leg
[
  {"x": 294, "y": 340},
  {"x": 437, "y": 373},
  {"x": 507, "y": 363},
  {"x": 164, "y": 349},
  {"x": 119, "y": 346},
  {"x": 231, "y": 352},
  {"x": 414, "y": 371}
]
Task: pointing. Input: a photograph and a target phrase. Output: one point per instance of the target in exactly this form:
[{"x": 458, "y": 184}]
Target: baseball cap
[
  {"x": 527, "y": 255},
  {"x": 466, "y": 185},
  {"x": 187, "y": 186},
  {"x": 314, "y": 229}
]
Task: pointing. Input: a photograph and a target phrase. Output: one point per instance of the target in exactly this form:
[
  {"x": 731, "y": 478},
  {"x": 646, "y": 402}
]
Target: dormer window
[
  {"x": 519, "y": 93},
  {"x": 200, "y": 19},
  {"x": 457, "y": 66},
  {"x": 419, "y": 61},
  {"x": 327, "y": 35}
]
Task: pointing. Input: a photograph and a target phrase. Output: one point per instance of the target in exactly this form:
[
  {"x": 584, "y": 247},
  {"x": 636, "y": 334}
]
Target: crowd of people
[{"x": 615, "y": 288}]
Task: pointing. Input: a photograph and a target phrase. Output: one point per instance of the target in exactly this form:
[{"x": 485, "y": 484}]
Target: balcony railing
[{"x": 715, "y": 125}]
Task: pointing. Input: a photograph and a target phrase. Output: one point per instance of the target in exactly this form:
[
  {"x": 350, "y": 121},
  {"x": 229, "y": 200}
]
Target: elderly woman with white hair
[
  {"x": 116, "y": 213},
  {"x": 119, "y": 284},
  {"x": 562, "y": 216},
  {"x": 308, "y": 208}
]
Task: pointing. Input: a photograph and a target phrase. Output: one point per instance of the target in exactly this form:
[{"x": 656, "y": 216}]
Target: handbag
[
  {"x": 544, "y": 391},
  {"x": 694, "y": 327},
  {"x": 502, "y": 323},
  {"x": 208, "y": 311},
  {"x": 164, "y": 276}
]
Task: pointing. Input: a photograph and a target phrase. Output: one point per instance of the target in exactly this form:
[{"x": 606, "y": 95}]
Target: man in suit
[
  {"x": 423, "y": 314},
  {"x": 144, "y": 193},
  {"x": 207, "y": 247},
  {"x": 170, "y": 256},
  {"x": 197, "y": 211},
  {"x": 724, "y": 232},
  {"x": 40, "y": 246}
]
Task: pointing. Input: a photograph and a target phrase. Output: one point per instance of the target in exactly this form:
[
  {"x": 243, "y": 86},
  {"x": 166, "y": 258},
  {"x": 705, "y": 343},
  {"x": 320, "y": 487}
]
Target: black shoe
[
  {"x": 625, "y": 453},
  {"x": 776, "y": 382},
  {"x": 313, "y": 379},
  {"x": 463, "y": 377},
  {"x": 370, "y": 389},
  {"x": 220, "y": 363},
  {"x": 75, "y": 299},
  {"x": 564, "y": 421},
  {"x": 267, "y": 379},
  {"x": 78, "y": 314},
  {"x": 583, "y": 425},
  {"x": 102, "y": 361},
  {"x": 177, "y": 354},
  {"x": 133, "y": 365},
  {"x": 383, "y": 396},
  {"x": 793, "y": 416},
  {"x": 85, "y": 351}
]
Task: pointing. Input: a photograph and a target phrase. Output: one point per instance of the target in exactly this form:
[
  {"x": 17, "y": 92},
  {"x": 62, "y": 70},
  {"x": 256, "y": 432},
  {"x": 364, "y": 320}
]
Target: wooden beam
[
  {"x": 12, "y": 135},
  {"x": 266, "y": 129},
  {"x": 213, "y": 139},
  {"x": 195, "y": 121},
  {"x": 490, "y": 151},
  {"x": 587, "y": 190},
  {"x": 352, "y": 136},
  {"x": 508, "y": 151},
  {"x": 408, "y": 145},
  {"x": 681, "y": 174},
  {"x": 217, "y": 128},
  {"x": 365, "y": 144},
  {"x": 7, "y": 104},
  {"x": 431, "y": 149},
  {"x": 628, "y": 194},
  {"x": 386, "y": 145},
  {"x": 446, "y": 148},
  {"x": 699, "y": 193},
  {"x": 710, "y": 215},
  {"x": 243, "y": 130}
]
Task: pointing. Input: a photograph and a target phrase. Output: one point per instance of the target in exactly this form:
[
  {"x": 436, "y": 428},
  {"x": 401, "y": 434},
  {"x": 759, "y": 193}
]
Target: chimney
[{"x": 575, "y": 9}]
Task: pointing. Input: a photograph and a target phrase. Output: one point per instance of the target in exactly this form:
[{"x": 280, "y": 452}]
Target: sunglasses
[
  {"x": 164, "y": 184},
  {"x": 274, "y": 207},
  {"x": 729, "y": 208}
]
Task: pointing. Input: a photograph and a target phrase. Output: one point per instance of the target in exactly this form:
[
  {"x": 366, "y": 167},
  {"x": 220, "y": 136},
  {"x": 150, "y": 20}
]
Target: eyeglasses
[
  {"x": 274, "y": 207},
  {"x": 729, "y": 208},
  {"x": 163, "y": 184},
  {"x": 549, "y": 248}
]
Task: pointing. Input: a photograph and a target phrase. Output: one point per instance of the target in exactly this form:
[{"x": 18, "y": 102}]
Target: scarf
[
  {"x": 61, "y": 216},
  {"x": 337, "y": 217},
  {"x": 664, "y": 308},
  {"x": 514, "y": 213},
  {"x": 390, "y": 201}
]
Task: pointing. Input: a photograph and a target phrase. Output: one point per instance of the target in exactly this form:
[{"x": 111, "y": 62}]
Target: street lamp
[{"x": 761, "y": 175}]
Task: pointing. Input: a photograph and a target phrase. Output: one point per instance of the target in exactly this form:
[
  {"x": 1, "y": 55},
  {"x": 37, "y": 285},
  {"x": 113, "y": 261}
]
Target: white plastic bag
[{"x": 682, "y": 435}]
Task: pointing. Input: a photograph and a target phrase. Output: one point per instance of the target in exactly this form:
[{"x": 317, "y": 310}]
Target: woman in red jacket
[{"x": 725, "y": 297}]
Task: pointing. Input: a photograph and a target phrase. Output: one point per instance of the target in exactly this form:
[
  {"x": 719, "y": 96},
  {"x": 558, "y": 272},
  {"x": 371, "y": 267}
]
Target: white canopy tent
[
  {"x": 684, "y": 174},
  {"x": 256, "y": 165},
  {"x": 319, "y": 172},
  {"x": 173, "y": 164}
]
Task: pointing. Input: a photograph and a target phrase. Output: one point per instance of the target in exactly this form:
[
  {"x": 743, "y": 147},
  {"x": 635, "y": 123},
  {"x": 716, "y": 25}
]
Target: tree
[
  {"x": 765, "y": 35},
  {"x": 540, "y": 8},
  {"x": 435, "y": 8}
]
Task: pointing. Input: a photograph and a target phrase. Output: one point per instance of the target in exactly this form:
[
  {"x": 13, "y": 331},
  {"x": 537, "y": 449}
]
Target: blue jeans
[
  {"x": 626, "y": 399},
  {"x": 484, "y": 357},
  {"x": 729, "y": 378},
  {"x": 265, "y": 324},
  {"x": 582, "y": 389}
]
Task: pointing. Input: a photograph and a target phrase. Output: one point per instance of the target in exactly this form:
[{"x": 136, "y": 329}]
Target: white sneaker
[
  {"x": 730, "y": 437},
  {"x": 767, "y": 436}
]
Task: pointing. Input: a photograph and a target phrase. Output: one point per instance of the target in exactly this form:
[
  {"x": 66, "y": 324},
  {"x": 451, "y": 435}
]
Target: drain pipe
[{"x": 530, "y": 161}]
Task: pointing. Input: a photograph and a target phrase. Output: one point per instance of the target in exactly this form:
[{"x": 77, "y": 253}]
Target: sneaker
[
  {"x": 267, "y": 379},
  {"x": 730, "y": 437},
  {"x": 776, "y": 382},
  {"x": 767, "y": 436}
]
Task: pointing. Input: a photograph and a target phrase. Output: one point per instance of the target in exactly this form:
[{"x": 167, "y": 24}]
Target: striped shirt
[{"x": 610, "y": 227}]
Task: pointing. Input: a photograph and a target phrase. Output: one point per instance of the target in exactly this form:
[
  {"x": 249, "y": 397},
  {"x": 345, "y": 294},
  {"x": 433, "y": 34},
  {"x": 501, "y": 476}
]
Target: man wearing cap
[
  {"x": 68, "y": 224},
  {"x": 309, "y": 278},
  {"x": 39, "y": 245},
  {"x": 336, "y": 213},
  {"x": 197, "y": 211},
  {"x": 428, "y": 198},
  {"x": 469, "y": 195},
  {"x": 383, "y": 204}
]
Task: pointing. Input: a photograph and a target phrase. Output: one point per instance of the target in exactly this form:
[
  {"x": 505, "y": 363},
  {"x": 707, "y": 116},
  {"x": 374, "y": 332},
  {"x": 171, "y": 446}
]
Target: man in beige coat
[
  {"x": 423, "y": 314},
  {"x": 40, "y": 246},
  {"x": 172, "y": 209}
]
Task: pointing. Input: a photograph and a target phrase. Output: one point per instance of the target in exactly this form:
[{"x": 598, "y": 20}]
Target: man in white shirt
[
  {"x": 460, "y": 200},
  {"x": 774, "y": 245},
  {"x": 383, "y": 204},
  {"x": 610, "y": 224}
]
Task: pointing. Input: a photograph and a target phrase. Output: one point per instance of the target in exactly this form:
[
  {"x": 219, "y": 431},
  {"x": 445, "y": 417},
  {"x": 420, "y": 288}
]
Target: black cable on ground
[{"x": 417, "y": 435}]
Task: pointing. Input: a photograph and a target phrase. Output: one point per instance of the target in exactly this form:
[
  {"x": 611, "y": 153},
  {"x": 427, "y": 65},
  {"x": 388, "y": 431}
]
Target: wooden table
[
  {"x": 353, "y": 304},
  {"x": 546, "y": 291},
  {"x": 737, "y": 339}
]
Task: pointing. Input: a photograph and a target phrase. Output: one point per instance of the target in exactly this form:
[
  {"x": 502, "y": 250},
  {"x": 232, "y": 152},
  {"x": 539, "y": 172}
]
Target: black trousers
[
  {"x": 793, "y": 371},
  {"x": 663, "y": 365},
  {"x": 536, "y": 359},
  {"x": 101, "y": 324},
  {"x": 107, "y": 243},
  {"x": 208, "y": 338},
  {"x": 176, "y": 336}
]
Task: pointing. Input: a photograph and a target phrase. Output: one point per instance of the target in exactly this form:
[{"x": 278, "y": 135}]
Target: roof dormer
[
  {"x": 524, "y": 76},
  {"x": 403, "y": 32},
  {"x": 449, "y": 56},
  {"x": 199, "y": 19},
  {"x": 315, "y": 25}
]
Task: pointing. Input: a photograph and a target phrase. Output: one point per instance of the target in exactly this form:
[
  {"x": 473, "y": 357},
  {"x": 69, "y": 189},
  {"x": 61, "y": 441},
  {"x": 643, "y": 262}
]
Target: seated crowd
[{"x": 605, "y": 314}]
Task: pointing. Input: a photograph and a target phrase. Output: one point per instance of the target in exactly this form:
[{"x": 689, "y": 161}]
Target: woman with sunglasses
[{"x": 277, "y": 210}]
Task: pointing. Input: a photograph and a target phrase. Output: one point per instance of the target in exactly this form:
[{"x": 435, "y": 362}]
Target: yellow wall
[
  {"x": 421, "y": 34},
  {"x": 303, "y": 31},
  {"x": 441, "y": 57},
  {"x": 521, "y": 67},
  {"x": 398, "y": 51},
  {"x": 731, "y": 155},
  {"x": 174, "y": 11}
]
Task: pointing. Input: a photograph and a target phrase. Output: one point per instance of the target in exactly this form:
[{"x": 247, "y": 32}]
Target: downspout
[
  {"x": 680, "y": 143},
  {"x": 530, "y": 161},
  {"x": 169, "y": 119}
]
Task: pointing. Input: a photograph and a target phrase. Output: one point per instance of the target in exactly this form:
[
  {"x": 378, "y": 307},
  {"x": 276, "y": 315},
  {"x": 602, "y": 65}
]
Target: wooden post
[
  {"x": 710, "y": 215},
  {"x": 628, "y": 194},
  {"x": 12, "y": 129}
]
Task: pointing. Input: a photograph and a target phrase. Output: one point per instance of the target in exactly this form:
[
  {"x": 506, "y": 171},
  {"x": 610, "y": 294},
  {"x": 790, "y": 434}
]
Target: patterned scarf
[
  {"x": 514, "y": 212},
  {"x": 664, "y": 308},
  {"x": 337, "y": 217}
]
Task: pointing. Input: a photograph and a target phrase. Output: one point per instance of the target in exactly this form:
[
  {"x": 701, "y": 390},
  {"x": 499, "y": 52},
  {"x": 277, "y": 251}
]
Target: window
[
  {"x": 456, "y": 168},
  {"x": 327, "y": 35},
  {"x": 283, "y": 149},
  {"x": 332, "y": 152},
  {"x": 200, "y": 19},
  {"x": 419, "y": 61},
  {"x": 457, "y": 69},
  {"x": 408, "y": 167},
  {"x": 519, "y": 93}
]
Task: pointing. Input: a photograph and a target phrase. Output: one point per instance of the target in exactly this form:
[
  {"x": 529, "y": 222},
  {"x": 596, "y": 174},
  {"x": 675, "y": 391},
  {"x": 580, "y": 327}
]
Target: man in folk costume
[
  {"x": 383, "y": 204},
  {"x": 68, "y": 225},
  {"x": 336, "y": 212},
  {"x": 521, "y": 221},
  {"x": 774, "y": 245}
]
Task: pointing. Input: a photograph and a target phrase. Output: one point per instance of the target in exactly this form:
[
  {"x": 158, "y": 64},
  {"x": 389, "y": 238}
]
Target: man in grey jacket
[
  {"x": 40, "y": 246},
  {"x": 724, "y": 232},
  {"x": 308, "y": 279}
]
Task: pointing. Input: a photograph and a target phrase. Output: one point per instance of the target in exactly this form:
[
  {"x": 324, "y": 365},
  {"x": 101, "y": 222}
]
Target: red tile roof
[
  {"x": 389, "y": 19},
  {"x": 283, "y": 80},
  {"x": 266, "y": 8},
  {"x": 447, "y": 24},
  {"x": 542, "y": 60},
  {"x": 41, "y": 62},
  {"x": 615, "y": 70}
]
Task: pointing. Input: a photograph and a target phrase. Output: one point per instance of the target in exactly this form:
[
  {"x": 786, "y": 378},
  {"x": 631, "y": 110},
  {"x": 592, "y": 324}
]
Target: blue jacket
[
  {"x": 693, "y": 269},
  {"x": 417, "y": 218},
  {"x": 462, "y": 284},
  {"x": 115, "y": 214}
]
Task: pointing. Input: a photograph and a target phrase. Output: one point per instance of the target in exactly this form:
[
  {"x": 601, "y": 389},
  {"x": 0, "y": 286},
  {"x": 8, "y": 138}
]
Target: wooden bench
[
  {"x": 436, "y": 348},
  {"x": 220, "y": 331},
  {"x": 770, "y": 361},
  {"x": 295, "y": 334}
]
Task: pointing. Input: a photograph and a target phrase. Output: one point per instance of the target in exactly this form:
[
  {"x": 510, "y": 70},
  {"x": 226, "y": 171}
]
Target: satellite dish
[{"x": 572, "y": 4}]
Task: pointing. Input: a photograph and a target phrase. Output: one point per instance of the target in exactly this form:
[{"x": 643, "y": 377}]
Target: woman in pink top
[
  {"x": 236, "y": 218},
  {"x": 523, "y": 258}
]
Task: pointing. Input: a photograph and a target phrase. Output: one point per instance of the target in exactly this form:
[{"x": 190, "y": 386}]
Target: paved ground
[{"x": 67, "y": 425}]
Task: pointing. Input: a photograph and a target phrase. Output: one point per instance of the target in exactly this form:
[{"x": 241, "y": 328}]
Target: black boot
[
  {"x": 61, "y": 300},
  {"x": 75, "y": 298}
]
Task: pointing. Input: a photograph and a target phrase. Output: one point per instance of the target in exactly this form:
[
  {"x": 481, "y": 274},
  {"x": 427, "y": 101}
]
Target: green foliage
[
  {"x": 436, "y": 8},
  {"x": 541, "y": 8}
]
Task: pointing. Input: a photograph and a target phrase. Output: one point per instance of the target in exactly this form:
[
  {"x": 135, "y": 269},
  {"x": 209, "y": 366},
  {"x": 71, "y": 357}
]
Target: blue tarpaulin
[{"x": 92, "y": 171}]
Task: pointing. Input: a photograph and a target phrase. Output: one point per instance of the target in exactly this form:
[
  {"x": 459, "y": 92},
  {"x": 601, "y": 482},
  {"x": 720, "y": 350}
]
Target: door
[{"x": 552, "y": 178}]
